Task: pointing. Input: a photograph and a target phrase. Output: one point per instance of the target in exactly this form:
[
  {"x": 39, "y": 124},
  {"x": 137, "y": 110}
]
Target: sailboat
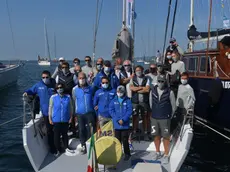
[
  {"x": 36, "y": 144},
  {"x": 209, "y": 71},
  {"x": 9, "y": 72},
  {"x": 45, "y": 61}
]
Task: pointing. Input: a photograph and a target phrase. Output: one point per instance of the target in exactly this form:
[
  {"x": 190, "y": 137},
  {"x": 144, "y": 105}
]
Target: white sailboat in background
[{"x": 46, "y": 61}]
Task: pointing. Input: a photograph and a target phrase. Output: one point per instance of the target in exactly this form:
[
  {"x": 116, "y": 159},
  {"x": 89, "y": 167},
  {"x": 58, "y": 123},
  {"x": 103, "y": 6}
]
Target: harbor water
[{"x": 209, "y": 152}]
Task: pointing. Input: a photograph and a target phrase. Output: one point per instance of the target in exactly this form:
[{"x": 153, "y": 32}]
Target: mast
[
  {"x": 55, "y": 46},
  {"x": 209, "y": 27},
  {"x": 46, "y": 40},
  {"x": 124, "y": 13},
  {"x": 133, "y": 29},
  {"x": 191, "y": 43}
]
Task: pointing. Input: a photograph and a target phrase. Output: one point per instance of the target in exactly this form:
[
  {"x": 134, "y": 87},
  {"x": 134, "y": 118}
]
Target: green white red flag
[{"x": 92, "y": 159}]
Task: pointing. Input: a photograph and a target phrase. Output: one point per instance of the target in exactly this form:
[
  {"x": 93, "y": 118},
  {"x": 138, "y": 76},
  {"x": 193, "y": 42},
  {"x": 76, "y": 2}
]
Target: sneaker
[
  {"x": 165, "y": 159},
  {"x": 69, "y": 151},
  {"x": 156, "y": 156},
  {"x": 127, "y": 157},
  {"x": 83, "y": 150}
]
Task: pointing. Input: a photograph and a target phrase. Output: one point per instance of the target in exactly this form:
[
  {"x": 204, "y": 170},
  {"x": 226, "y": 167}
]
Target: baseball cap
[
  {"x": 121, "y": 89},
  {"x": 61, "y": 58},
  {"x": 161, "y": 78},
  {"x": 172, "y": 40}
]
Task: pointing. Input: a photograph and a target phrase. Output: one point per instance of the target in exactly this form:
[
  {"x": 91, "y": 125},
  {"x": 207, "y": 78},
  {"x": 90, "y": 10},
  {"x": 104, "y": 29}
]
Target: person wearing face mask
[
  {"x": 161, "y": 71},
  {"x": 60, "y": 115},
  {"x": 152, "y": 75},
  {"x": 66, "y": 78},
  {"x": 174, "y": 47},
  {"x": 76, "y": 62},
  {"x": 101, "y": 101},
  {"x": 139, "y": 85},
  {"x": 58, "y": 68},
  {"x": 44, "y": 89},
  {"x": 184, "y": 91},
  {"x": 99, "y": 65},
  {"x": 163, "y": 105},
  {"x": 108, "y": 72},
  {"x": 120, "y": 109},
  {"x": 177, "y": 64},
  {"x": 126, "y": 75},
  {"x": 84, "y": 111}
]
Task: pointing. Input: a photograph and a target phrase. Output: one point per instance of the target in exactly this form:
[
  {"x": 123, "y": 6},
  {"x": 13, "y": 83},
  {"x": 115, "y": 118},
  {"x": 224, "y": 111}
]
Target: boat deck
[{"x": 79, "y": 162}]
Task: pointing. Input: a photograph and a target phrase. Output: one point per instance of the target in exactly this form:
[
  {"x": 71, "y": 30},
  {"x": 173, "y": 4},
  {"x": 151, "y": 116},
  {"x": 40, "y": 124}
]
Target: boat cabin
[{"x": 210, "y": 64}]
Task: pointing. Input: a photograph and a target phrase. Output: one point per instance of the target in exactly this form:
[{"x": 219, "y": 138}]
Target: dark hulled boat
[{"x": 210, "y": 78}]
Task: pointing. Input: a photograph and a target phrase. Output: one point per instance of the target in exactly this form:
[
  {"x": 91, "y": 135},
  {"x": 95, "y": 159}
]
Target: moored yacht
[{"x": 8, "y": 74}]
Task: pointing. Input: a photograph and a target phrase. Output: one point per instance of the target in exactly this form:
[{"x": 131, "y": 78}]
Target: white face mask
[
  {"x": 81, "y": 81},
  {"x": 169, "y": 57},
  {"x": 105, "y": 85},
  {"x": 106, "y": 69},
  {"x": 184, "y": 81},
  {"x": 120, "y": 94}
]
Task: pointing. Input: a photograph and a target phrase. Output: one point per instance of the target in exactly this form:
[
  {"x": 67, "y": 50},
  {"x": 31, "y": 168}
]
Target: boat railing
[
  {"x": 188, "y": 117},
  {"x": 27, "y": 110}
]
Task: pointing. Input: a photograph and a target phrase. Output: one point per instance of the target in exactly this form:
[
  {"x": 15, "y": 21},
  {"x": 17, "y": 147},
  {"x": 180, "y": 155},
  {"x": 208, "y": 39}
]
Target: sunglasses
[
  {"x": 59, "y": 87},
  {"x": 99, "y": 64},
  {"x": 153, "y": 68},
  {"x": 45, "y": 77},
  {"x": 87, "y": 60},
  {"x": 104, "y": 82},
  {"x": 126, "y": 65},
  {"x": 76, "y": 62},
  {"x": 65, "y": 67},
  {"x": 160, "y": 81}
]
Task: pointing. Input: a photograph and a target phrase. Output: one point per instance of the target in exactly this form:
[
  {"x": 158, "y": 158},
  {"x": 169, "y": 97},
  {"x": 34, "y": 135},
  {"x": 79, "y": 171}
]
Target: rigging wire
[
  {"x": 209, "y": 34},
  {"x": 174, "y": 18},
  {"x": 167, "y": 22},
  {"x": 98, "y": 16},
  {"x": 11, "y": 28}
]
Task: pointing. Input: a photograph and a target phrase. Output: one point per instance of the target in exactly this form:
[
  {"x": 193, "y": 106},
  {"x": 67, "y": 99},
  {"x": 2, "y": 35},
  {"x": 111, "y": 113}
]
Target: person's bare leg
[
  {"x": 157, "y": 142},
  {"x": 166, "y": 142}
]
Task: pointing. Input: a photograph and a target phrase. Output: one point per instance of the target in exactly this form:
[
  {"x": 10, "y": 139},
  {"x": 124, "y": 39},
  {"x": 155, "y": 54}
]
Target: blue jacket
[
  {"x": 121, "y": 111},
  {"x": 83, "y": 98},
  {"x": 61, "y": 108},
  {"x": 161, "y": 109},
  {"x": 114, "y": 81},
  {"x": 44, "y": 93},
  {"x": 102, "y": 98}
]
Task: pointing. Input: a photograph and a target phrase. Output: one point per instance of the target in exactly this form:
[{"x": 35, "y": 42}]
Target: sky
[{"x": 72, "y": 21}]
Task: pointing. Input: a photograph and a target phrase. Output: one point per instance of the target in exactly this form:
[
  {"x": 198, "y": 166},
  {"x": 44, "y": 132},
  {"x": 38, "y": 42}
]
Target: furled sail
[
  {"x": 193, "y": 34},
  {"x": 123, "y": 46}
]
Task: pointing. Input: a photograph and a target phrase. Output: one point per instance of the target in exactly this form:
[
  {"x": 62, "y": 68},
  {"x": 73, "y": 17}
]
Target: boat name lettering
[{"x": 226, "y": 84}]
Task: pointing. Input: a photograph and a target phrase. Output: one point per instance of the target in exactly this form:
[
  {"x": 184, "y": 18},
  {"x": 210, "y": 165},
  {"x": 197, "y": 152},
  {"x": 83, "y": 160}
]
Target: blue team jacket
[{"x": 121, "y": 111}]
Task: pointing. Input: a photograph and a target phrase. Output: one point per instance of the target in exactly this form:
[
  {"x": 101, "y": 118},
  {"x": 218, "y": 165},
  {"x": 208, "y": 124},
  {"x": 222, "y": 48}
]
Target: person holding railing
[
  {"x": 185, "y": 96},
  {"x": 44, "y": 89}
]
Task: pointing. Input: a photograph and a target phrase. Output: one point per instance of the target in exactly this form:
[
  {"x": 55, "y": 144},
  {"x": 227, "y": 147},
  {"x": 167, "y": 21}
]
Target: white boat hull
[
  {"x": 42, "y": 161},
  {"x": 44, "y": 63},
  {"x": 9, "y": 75}
]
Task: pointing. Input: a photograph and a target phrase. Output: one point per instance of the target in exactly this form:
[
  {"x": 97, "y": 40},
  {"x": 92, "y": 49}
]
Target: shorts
[
  {"x": 141, "y": 108},
  {"x": 160, "y": 127},
  {"x": 102, "y": 120}
]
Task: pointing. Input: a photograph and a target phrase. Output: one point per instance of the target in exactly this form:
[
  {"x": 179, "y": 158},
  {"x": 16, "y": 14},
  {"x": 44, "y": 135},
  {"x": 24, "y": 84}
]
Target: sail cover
[
  {"x": 193, "y": 34},
  {"x": 123, "y": 46}
]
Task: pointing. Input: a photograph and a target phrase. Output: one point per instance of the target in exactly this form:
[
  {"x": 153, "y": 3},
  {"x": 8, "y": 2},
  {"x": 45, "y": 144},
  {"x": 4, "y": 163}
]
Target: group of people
[{"x": 92, "y": 96}]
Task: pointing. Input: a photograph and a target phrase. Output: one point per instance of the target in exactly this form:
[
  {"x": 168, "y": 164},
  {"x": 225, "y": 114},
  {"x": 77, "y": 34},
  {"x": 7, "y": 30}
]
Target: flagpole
[{"x": 133, "y": 29}]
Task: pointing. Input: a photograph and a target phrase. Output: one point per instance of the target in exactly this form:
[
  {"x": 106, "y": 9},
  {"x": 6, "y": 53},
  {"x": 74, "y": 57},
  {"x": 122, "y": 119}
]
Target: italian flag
[{"x": 92, "y": 159}]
